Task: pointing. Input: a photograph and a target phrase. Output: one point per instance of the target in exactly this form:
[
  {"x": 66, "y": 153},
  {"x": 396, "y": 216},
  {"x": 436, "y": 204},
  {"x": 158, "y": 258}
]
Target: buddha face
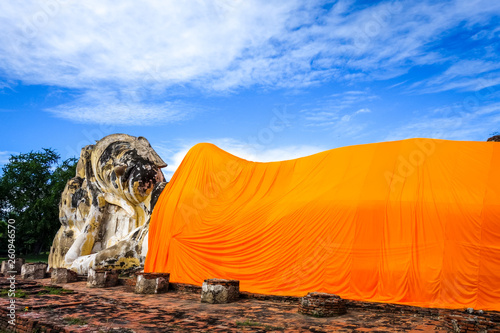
[{"x": 130, "y": 169}]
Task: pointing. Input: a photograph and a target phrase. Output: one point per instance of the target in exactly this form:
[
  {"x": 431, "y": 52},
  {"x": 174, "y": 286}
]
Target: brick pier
[{"x": 322, "y": 305}]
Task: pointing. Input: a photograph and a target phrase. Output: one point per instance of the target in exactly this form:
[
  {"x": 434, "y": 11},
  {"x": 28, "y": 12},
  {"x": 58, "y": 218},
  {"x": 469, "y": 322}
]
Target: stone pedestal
[
  {"x": 102, "y": 278},
  {"x": 152, "y": 283},
  {"x": 322, "y": 305},
  {"x": 218, "y": 291},
  {"x": 63, "y": 275},
  {"x": 18, "y": 264},
  {"x": 33, "y": 271}
]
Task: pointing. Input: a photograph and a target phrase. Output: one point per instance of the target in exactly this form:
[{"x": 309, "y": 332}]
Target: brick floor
[{"x": 118, "y": 309}]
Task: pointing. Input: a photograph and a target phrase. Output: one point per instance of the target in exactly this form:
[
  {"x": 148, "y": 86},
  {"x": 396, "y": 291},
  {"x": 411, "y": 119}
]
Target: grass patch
[
  {"x": 42, "y": 257},
  {"x": 19, "y": 293},
  {"x": 249, "y": 323},
  {"x": 54, "y": 291},
  {"x": 75, "y": 321}
]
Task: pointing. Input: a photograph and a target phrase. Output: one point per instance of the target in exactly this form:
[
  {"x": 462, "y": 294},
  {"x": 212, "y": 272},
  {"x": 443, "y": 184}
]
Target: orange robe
[{"x": 414, "y": 222}]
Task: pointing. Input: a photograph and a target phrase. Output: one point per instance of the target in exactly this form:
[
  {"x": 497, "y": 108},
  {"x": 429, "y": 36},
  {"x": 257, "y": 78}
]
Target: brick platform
[
  {"x": 118, "y": 310},
  {"x": 471, "y": 323},
  {"x": 322, "y": 305},
  {"x": 219, "y": 291},
  {"x": 184, "y": 288}
]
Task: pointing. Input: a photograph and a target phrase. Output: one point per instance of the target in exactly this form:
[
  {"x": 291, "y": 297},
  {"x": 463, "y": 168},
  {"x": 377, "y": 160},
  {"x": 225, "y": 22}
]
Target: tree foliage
[{"x": 30, "y": 190}]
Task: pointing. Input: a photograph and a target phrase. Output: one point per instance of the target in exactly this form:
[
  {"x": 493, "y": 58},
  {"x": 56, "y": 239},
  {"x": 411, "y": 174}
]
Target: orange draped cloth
[{"x": 414, "y": 222}]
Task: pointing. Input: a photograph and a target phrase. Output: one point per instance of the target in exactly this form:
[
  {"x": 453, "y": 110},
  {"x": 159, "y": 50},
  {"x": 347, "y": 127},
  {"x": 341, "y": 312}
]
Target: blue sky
[{"x": 264, "y": 80}]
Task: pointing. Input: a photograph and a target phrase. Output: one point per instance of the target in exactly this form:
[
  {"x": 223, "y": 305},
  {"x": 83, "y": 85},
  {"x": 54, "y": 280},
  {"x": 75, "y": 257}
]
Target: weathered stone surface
[
  {"x": 6, "y": 266},
  {"x": 152, "y": 283},
  {"x": 495, "y": 138},
  {"x": 218, "y": 291},
  {"x": 33, "y": 271},
  {"x": 102, "y": 278},
  {"x": 105, "y": 209},
  {"x": 63, "y": 275},
  {"x": 322, "y": 305}
]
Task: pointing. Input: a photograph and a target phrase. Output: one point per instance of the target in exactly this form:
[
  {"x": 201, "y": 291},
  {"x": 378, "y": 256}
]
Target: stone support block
[
  {"x": 102, "y": 278},
  {"x": 218, "y": 291},
  {"x": 322, "y": 305},
  {"x": 63, "y": 275},
  {"x": 33, "y": 271},
  {"x": 6, "y": 266},
  {"x": 152, "y": 283}
]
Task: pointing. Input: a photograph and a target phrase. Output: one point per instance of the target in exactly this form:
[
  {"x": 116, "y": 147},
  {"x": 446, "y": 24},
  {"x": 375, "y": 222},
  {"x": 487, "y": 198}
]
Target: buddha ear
[{"x": 146, "y": 151}]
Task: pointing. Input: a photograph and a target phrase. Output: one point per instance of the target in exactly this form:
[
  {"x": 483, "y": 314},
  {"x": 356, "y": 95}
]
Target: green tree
[
  {"x": 30, "y": 190},
  {"x": 3, "y": 229}
]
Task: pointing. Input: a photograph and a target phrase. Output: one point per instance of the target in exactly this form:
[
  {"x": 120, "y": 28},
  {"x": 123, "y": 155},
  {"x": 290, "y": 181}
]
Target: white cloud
[
  {"x": 222, "y": 45},
  {"x": 4, "y": 157},
  {"x": 257, "y": 153},
  {"x": 4, "y": 85},
  {"x": 112, "y": 109},
  {"x": 337, "y": 110},
  {"x": 463, "y": 75},
  {"x": 453, "y": 123},
  {"x": 364, "y": 110},
  {"x": 79, "y": 44}
]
